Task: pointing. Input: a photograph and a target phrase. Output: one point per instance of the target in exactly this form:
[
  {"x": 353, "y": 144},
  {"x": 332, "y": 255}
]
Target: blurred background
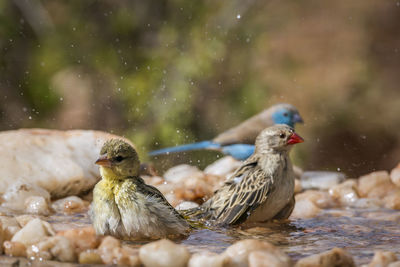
[{"x": 170, "y": 72}]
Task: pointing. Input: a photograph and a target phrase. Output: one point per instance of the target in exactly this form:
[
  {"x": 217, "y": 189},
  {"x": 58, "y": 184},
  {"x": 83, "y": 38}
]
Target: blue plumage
[{"x": 239, "y": 141}]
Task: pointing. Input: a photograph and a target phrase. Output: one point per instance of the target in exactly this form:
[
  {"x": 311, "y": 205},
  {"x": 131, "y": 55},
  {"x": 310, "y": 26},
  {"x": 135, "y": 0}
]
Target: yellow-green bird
[
  {"x": 260, "y": 190},
  {"x": 124, "y": 206}
]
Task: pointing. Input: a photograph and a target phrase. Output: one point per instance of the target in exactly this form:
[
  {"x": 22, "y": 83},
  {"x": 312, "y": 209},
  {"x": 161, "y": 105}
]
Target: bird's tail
[{"x": 194, "y": 146}]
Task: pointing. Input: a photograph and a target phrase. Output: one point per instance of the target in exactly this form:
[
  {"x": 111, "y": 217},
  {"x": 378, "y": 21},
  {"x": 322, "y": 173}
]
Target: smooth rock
[
  {"x": 126, "y": 256},
  {"x": 237, "y": 255},
  {"x": 71, "y": 204},
  {"x": 2, "y": 238},
  {"x": 367, "y": 203},
  {"x": 375, "y": 185},
  {"x": 90, "y": 257},
  {"x": 223, "y": 166},
  {"x": 82, "y": 238},
  {"x": 297, "y": 186},
  {"x": 180, "y": 173},
  {"x": 208, "y": 259},
  {"x": 186, "y": 205},
  {"x": 35, "y": 231},
  {"x": 322, "y": 180},
  {"x": 37, "y": 205},
  {"x": 61, "y": 162},
  {"x": 395, "y": 175},
  {"x": 14, "y": 249},
  {"x": 164, "y": 253},
  {"x": 10, "y": 226},
  {"x": 17, "y": 194},
  {"x": 321, "y": 199},
  {"x": 54, "y": 247},
  {"x": 25, "y": 219},
  {"x": 334, "y": 257},
  {"x": 382, "y": 258},
  {"x": 194, "y": 188},
  {"x": 394, "y": 264},
  {"x": 392, "y": 200},
  {"x": 266, "y": 259},
  {"x": 106, "y": 249},
  {"x": 345, "y": 193},
  {"x": 305, "y": 208}
]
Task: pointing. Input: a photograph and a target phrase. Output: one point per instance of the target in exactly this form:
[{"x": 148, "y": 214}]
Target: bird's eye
[
  {"x": 282, "y": 135},
  {"x": 285, "y": 114},
  {"x": 119, "y": 158}
]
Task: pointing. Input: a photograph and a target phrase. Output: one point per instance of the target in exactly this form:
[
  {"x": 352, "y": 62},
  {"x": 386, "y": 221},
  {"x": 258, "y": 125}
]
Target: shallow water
[{"x": 361, "y": 232}]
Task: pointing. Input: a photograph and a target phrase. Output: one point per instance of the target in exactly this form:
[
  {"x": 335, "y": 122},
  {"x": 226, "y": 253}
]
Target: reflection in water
[{"x": 361, "y": 232}]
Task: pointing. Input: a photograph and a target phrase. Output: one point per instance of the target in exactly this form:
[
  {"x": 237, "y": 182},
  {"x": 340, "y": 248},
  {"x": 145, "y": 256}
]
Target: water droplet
[{"x": 238, "y": 16}]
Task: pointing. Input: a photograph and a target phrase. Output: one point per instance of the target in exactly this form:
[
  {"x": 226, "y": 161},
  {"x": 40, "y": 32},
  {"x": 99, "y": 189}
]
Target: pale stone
[
  {"x": 60, "y": 162},
  {"x": 54, "y": 247},
  {"x": 297, "y": 186},
  {"x": 194, "y": 189},
  {"x": 237, "y": 255},
  {"x": 82, "y": 238},
  {"x": 304, "y": 209},
  {"x": 382, "y": 258},
  {"x": 208, "y": 259},
  {"x": 333, "y": 257},
  {"x": 223, "y": 166},
  {"x": 33, "y": 232},
  {"x": 25, "y": 219},
  {"x": 111, "y": 252},
  {"x": 367, "y": 203},
  {"x": 345, "y": 193},
  {"x": 10, "y": 226},
  {"x": 392, "y": 200},
  {"x": 395, "y": 176},
  {"x": 394, "y": 264},
  {"x": 322, "y": 180},
  {"x": 14, "y": 249},
  {"x": 376, "y": 184},
  {"x": 90, "y": 257},
  {"x": 37, "y": 205},
  {"x": 71, "y": 204},
  {"x": 2, "y": 238},
  {"x": 106, "y": 249},
  {"x": 180, "y": 173},
  {"x": 266, "y": 259},
  {"x": 126, "y": 256},
  {"x": 17, "y": 194},
  {"x": 164, "y": 253},
  {"x": 321, "y": 199},
  {"x": 186, "y": 205}
]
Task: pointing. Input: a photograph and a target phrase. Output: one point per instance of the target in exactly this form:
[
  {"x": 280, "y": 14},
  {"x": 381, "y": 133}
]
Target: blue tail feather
[{"x": 188, "y": 147}]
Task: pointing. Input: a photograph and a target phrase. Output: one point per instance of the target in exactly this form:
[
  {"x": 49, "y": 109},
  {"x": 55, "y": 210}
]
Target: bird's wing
[
  {"x": 153, "y": 192},
  {"x": 244, "y": 196}
]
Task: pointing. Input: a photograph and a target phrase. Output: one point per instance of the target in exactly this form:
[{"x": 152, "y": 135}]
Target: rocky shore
[{"x": 46, "y": 177}]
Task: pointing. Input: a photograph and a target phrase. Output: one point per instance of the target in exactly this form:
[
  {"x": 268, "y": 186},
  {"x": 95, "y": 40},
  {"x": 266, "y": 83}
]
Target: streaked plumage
[
  {"x": 239, "y": 141},
  {"x": 261, "y": 189},
  {"x": 124, "y": 206}
]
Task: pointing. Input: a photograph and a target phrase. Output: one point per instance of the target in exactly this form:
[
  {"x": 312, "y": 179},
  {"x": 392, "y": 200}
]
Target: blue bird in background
[{"x": 238, "y": 141}]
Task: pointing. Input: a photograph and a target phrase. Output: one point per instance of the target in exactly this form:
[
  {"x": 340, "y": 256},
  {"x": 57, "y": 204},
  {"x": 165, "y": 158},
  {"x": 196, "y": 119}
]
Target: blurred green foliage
[{"x": 171, "y": 72}]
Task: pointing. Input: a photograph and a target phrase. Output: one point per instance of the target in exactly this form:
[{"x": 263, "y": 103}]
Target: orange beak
[
  {"x": 294, "y": 139},
  {"x": 103, "y": 161}
]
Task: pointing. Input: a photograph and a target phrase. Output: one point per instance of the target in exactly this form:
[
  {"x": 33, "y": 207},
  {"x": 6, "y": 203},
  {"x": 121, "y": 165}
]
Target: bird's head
[
  {"x": 277, "y": 137},
  {"x": 118, "y": 158},
  {"x": 286, "y": 114}
]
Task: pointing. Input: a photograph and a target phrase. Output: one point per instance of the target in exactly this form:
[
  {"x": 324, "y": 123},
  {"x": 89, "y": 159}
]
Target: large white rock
[
  {"x": 62, "y": 162},
  {"x": 164, "y": 253}
]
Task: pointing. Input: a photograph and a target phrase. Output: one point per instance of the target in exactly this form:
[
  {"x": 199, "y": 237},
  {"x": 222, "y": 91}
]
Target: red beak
[
  {"x": 294, "y": 139},
  {"x": 103, "y": 161}
]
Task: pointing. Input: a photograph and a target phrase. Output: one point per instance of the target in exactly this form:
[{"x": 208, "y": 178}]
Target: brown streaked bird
[
  {"x": 262, "y": 189},
  {"x": 124, "y": 206}
]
